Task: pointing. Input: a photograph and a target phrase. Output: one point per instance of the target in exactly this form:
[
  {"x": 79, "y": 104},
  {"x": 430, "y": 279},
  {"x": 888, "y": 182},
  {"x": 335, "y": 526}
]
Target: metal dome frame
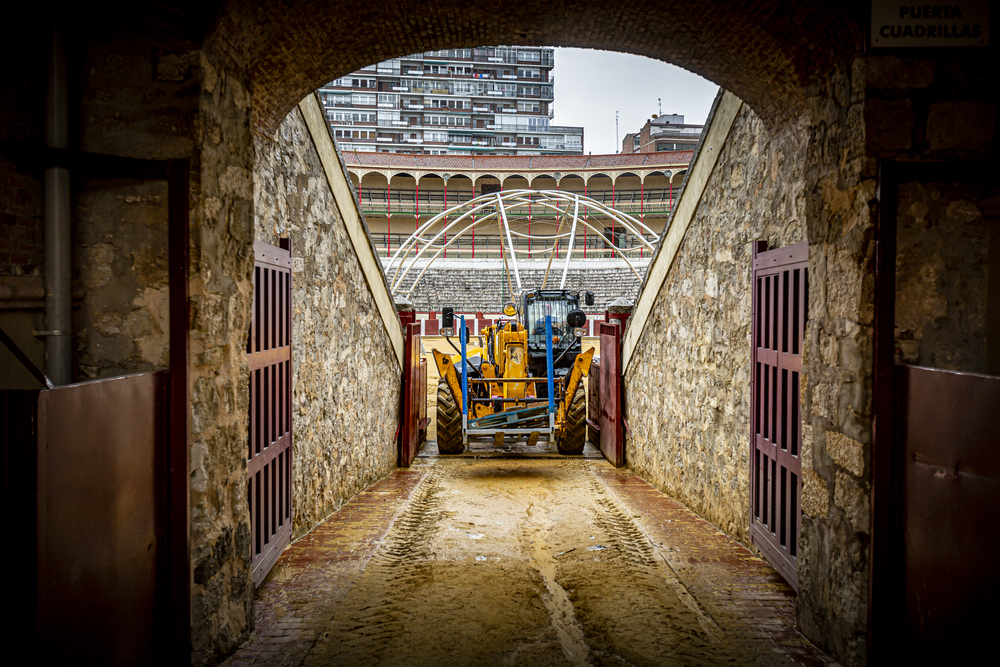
[{"x": 496, "y": 206}]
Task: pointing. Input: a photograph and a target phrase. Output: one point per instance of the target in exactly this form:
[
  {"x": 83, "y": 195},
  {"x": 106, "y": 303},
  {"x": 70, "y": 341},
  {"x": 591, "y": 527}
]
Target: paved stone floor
[{"x": 529, "y": 561}]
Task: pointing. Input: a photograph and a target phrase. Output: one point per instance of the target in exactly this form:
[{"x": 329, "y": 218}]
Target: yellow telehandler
[{"x": 526, "y": 380}]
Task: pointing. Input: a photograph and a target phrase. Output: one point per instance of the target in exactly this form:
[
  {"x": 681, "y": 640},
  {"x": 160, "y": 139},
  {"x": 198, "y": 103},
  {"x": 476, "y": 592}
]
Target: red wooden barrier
[
  {"x": 612, "y": 432},
  {"x": 414, "y": 393},
  {"x": 269, "y": 460},
  {"x": 778, "y": 323}
]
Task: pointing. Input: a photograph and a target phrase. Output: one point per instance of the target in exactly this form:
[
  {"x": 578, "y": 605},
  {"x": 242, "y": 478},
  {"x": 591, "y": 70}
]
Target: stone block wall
[
  {"x": 345, "y": 378},
  {"x": 120, "y": 259},
  {"x": 688, "y": 384},
  {"x": 837, "y": 362},
  {"x": 942, "y": 254},
  {"x": 222, "y": 235},
  {"x": 485, "y": 288},
  {"x": 687, "y": 387}
]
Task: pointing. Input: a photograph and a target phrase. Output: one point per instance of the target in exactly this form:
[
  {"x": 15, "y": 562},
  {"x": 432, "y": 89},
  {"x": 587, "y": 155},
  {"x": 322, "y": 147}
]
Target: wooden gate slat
[
  {"x": 270, "y": 425},
  {"x": 778, "y": 324}
]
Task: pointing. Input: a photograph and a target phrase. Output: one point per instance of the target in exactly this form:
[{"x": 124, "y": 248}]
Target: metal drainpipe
[{"x": 58, "y": 267}]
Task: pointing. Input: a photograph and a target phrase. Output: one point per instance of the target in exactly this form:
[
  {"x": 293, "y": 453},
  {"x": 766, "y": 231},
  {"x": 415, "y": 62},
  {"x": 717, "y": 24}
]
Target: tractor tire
[
  {"x": 574, "y": 432},
  {"x": 449, "y": 421}
]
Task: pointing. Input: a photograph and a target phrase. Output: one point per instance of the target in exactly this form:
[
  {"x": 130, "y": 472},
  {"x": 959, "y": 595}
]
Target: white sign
[{"x": 904, "y": 24}]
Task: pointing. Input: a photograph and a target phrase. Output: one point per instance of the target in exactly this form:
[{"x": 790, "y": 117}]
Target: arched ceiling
[{"x": 766, "y": 52}]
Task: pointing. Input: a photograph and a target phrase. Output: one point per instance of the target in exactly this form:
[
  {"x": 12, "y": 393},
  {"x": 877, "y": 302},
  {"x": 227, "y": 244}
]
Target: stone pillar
[
  {"x": 407, "y": 315},
  {"x": 619, "y": 310}
]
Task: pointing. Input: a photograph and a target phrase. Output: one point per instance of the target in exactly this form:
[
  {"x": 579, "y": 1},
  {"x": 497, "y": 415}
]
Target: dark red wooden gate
[
  {"x": 269, "y": 352},
  {"x": 414, "y": 396},
  {"x": 612, "y": 430},
  {"x": 780, "y": 286}
]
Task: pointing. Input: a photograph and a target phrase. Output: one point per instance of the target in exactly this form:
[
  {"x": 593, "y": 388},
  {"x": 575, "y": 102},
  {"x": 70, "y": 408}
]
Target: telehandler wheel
[
  {"x": 449, "y": 421},
  {"x": 574, "y": 433}
]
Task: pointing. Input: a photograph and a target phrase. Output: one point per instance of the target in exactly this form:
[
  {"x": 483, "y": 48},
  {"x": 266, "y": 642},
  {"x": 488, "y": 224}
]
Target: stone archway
[
  {"x": 778, "y": 89},
  {"x": 205, "y": 83},
  {"x": 766, "y": 53}
]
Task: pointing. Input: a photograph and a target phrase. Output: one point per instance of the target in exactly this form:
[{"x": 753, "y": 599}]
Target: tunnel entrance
[{"x": 213, "y": 84}]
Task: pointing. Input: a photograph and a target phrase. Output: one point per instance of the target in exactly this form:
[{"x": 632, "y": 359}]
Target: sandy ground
[{"x": 525, "y": 562}]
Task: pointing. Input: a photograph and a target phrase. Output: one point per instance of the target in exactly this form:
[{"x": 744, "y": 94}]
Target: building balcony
[
  {"x": 494, "y": 246},
  {"x": 384, "y": 140},
  {"x": 401, "y": 89}
]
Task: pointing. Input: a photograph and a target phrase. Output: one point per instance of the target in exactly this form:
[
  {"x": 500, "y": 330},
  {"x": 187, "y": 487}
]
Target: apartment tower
[{"x": 480, "y": 101}]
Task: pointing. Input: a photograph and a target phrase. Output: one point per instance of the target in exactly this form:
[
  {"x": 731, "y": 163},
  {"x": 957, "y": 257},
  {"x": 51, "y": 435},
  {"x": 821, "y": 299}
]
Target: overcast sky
[{"x": 591, "y": 85}]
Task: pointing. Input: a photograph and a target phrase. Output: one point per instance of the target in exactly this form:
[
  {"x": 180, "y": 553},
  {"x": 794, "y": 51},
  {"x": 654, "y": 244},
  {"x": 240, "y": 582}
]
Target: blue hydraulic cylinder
[
  {"x": 465, "y": 371},
  {"x": 549, "y": 372}
]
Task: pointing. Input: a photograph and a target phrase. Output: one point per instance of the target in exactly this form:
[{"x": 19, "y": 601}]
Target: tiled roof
[{"x": 488, "y": 163}]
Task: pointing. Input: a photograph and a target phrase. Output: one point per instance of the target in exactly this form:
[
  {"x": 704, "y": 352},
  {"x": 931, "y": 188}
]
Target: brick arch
[{"x": 766, "y": 53}]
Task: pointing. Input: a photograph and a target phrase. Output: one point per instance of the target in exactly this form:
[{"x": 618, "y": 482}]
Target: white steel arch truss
[{"x": 431, "y": 240}]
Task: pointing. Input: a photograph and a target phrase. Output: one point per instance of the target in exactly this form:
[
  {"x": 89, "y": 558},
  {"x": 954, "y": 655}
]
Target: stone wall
[
  {"x": 836, "y": 382},
  {"x": 483, "y": 286},
  {"x": 120, "y": 258},
  {"x": 688, "y": 383},
  {"x": 346, "y": 382},
  {"x": 168, "y": 94},
  {"x": 942, "y": 253},
  {"x": 805, "y": 181},
  {"x": 222, "y": 236}
]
